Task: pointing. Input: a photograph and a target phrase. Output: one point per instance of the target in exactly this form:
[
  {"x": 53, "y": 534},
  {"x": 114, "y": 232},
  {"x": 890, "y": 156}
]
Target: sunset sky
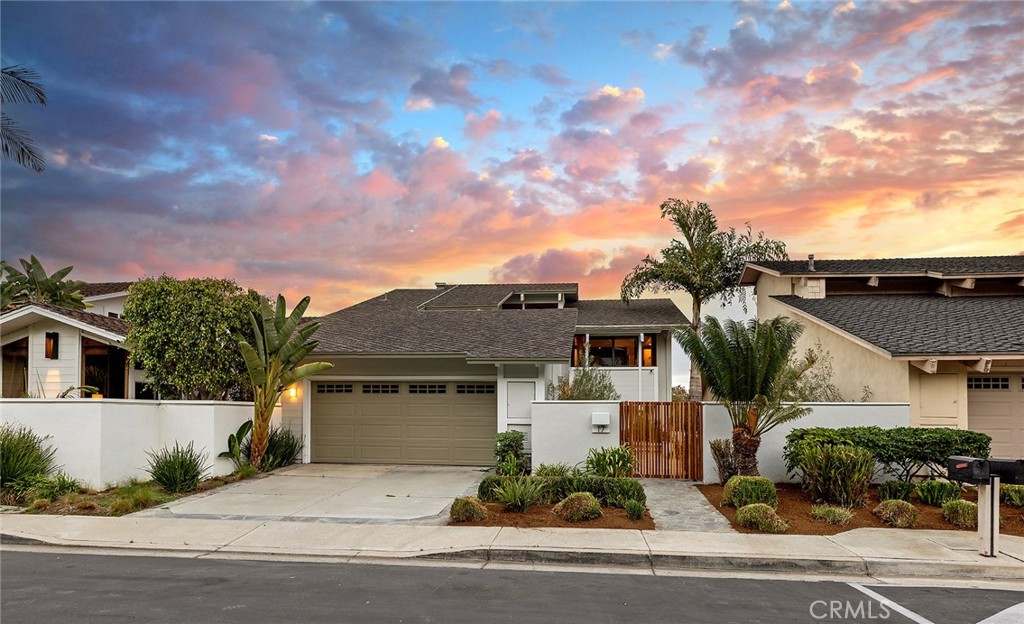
[{"x": 343, "y": 149}]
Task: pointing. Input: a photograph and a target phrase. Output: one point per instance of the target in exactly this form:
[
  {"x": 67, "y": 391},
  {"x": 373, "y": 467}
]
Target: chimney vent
[
  {"x": 810, "y": 262},
  {"x": 441, "y": 285}
]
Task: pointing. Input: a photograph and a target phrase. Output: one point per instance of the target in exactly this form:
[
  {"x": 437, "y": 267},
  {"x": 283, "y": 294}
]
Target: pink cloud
[{"x": 479, "y": 128}]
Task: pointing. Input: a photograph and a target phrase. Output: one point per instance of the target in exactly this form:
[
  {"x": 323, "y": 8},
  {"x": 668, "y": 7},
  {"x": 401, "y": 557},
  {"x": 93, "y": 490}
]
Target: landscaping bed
[
  {"x": 541, "y": 516},
  {"x": 795, "y": 508}
]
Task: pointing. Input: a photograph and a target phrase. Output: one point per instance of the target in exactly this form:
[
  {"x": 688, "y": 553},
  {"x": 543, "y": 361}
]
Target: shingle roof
[
  {"x": 488, "y": 295},
  {"x": 912, "y": 325},
  {"x": 956, "y": 266},
  {"x": 106, "y": 323},
  {"x": 638, "y": 313},
  {"x": 104, "y": 288}
]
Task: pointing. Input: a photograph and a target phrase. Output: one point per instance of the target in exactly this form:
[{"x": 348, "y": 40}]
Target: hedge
[
  {"x": 902, "y": 452},
  {"x": 611, "y": 491}
]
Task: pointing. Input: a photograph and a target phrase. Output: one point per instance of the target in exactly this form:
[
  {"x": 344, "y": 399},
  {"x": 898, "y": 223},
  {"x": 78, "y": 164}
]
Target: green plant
[
  {"x": 508, "y": 467},
  {"x": 485, "y": 490},
  {"x": 23, "y": 454},
  {"x": 49, "y": 487},
  {"x": 510, "y": 443},
  {"x": 831, "y": 514},
  {"x": 614, "y": 461},
  {"x": 75, "y": 392},
  {"x": 741, "y": 491},
  {"x": 283, "y": 449},
  {"x": 178, "y": 469},
  {"x": 897, "y": 513},
  {"x": 761, "y": 517},
  {"x": 20, "y": 86},
  {"x": 519, "y": 493},
  {"x": 610, "y": 491},
  {"x": 35, "y": 285},
  {"x": 634, "y": 510},
  {"x": 895, "y": 490},
  {"x": 725, "y": 463},
  {"x": 961, "y": 513},
  {"x": 577, "y": 507},
  {"x": 937, "y": 493},
  {"x": 467, "y": 509},
  {"x": 245, "y": 471},
  {"x": 618, "y": 491},
  {"x": 553, "y": 471},
  {"x": 840, "y": 475},
  {"x": 585, "y": 384},
  {"x": 234, "y": 452},
  {"x": 1012, "y": 494}
]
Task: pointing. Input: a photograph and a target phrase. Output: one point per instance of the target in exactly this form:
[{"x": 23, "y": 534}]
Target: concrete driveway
[{"x": 345, "y": 493}]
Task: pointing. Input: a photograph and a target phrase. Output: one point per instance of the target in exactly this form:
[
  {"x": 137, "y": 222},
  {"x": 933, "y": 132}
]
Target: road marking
[
  {"x": 890, "y": 604},
  {"x": 1013, "y": 615}
]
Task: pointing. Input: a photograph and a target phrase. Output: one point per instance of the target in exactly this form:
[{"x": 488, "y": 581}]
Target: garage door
[
  {"x": 404, "y": 423},
  {"x": 995, "y": 405}
]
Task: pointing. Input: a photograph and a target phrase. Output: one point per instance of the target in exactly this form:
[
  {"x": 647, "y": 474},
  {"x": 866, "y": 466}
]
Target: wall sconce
[
  {"x": 52, "y": 345},
  {"x": 293, "y": 392}
]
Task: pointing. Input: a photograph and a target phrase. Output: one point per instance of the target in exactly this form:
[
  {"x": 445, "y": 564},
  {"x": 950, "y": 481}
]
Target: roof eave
[{"x": 60, "y": 318}]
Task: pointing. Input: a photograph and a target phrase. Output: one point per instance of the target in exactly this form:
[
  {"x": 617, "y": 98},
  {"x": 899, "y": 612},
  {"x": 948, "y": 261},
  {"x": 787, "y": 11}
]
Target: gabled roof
[
  {"x": 967, "y": 266},
  {"x": 107, "y": 326},
  {"x": 923, "y": 325},
  {"x": 639, "y": 314},
  {"x": 489, "y": 295},
  {"x": 98, "y": 289}
]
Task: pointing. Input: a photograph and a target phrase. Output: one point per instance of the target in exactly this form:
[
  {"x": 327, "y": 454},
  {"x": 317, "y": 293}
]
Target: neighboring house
[
  {"x": 429, "y": 376},
  {"x": 47, "y": 349},
  {"x": 943, "y": 334}
]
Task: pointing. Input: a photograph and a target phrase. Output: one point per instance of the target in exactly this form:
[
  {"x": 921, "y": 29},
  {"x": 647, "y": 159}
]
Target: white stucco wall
[
  {"x": 101, "y": 442},
  {"x": 769, "y": 457},
  {"x": 563, "y": 430}
]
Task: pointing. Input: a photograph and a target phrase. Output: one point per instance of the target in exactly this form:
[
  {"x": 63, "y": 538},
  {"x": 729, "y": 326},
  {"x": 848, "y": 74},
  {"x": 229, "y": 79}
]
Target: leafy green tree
[
  {"x": 273, "y": 360},
  {"x": 744, "y": 367},
  {"x": 18, "y": 85},
  {"x": 34, "y": 285},
  {"x": 808, "y": 378},
  {"x": 185, "y": 333},
  {"x": 706, "y": 263}
]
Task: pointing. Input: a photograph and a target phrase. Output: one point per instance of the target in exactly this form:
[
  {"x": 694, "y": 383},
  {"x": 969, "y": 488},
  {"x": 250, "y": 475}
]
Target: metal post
[{"x": 988, "y": 517}]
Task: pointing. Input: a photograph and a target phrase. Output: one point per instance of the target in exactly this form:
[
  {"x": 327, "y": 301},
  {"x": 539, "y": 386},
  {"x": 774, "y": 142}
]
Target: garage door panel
[
  {"x": 996, "y": 407},
  {"x": 369, "y": 432}
]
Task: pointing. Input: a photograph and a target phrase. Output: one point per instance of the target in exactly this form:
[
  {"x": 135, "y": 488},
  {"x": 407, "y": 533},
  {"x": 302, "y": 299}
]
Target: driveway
[{"x": 345, "y": 493}]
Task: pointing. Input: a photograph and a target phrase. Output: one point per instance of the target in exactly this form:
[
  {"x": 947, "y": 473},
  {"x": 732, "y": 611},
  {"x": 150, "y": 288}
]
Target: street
[{"x": 46, "y": 587}]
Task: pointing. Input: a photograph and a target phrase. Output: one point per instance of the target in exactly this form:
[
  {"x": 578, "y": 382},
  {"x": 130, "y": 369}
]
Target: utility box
[
  {"x": 1009, "y": 471},
  {"x": 600, "y": 421},
  {"x": 967, "y": 469}
]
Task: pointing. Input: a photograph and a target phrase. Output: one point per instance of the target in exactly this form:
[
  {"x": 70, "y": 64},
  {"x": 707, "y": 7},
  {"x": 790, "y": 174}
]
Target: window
[
  {"x": 52, "y": 345},
  {"x": 115, "y": 315},
  {"x": 333, "y": 388},
  {"x": 474, "y": 388},
  {"x": 428, "y": 388},
  {"x": 650, "y": 351},
  {"x": 380, "y": 388},
  {"x": 613, "y": 350},
  {"x": 988, "y": 383},
  {"x": 15, "y": 369}
]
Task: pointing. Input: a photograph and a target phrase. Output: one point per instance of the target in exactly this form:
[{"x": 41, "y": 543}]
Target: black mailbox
[
  {"x": 968, "y": 469},
  {"x": 1009, "y": 471}
]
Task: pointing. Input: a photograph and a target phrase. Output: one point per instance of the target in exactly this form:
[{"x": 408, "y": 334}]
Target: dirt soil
[
  {"x": 542, "y": 516},
  {"x": 795, "y": 507}
]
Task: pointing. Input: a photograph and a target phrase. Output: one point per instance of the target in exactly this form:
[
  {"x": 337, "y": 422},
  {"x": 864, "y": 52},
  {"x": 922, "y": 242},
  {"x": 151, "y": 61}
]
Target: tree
[
  {"x": 743, "y": 365},
  {"x": 18, "y": 85},
  {"x": 34, "y": 285},
  {"x": 809, "y": 378},
  {"x": 707, "y": 263},
  {"x": 184, "y": 334},
  {"x": 274, "y": 363}
]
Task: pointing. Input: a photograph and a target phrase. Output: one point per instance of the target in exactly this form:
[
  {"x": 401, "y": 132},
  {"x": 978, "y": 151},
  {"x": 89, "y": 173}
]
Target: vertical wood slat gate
[{"x": 667, "y": 438}]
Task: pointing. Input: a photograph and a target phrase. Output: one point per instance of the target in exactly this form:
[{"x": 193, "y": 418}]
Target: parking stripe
[
  {"x": 890, "y": 604},
  {"x": 1013, "y": 615}
]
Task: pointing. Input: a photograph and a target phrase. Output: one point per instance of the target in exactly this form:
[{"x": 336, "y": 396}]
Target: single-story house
[
  {"x": 429, "y": 376},
  {"x": 944, "y": 334}
]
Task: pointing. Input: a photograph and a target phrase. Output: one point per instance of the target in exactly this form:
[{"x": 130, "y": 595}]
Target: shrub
[
  {"x": 840, "y": 475},
  {"x": 246, "y": 471},
  {"x": 50, "y": 488},
  {"x": 510, "y": 443},
  {"x": 577, "y": 507},
  {"x": 614, "y": 461},
  {"x": 610, "y": 491},
  {"x": 1012, "y": 494},
  {"x": 897, "y": 513},
  {"x": 133, "y": 496},
  {"x": 937, "y": 493},
  {"x": 961, "y": 513},
  {"x": 725, "y": 462},
  {"x": 634, "y": 510},
  {"x": 586, "y": 384},
  {"x": 485, "y": 491},
  {"x": 741, "y": 491},
  {"x": 467, "y": 509},
  {"x": 283, "y": 449},
  {"x": 831, "y": 514},
  {"x": 178, "y": 469},
  {"x": 22, "y": 454},
  {"x": 760, "y": 517},
  {"x": 895, "y": 490},
  {"x": 234, "y": 452},
  {"x": 520, "y": 493},
  {"x": 553, "y": 471},
  {"x": 617, "y": 492}
]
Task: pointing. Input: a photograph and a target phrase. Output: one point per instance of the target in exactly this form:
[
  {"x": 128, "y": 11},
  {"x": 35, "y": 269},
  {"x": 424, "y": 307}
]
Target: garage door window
[
  {"x": 474, "y": 389},
  {"x": 988, "y": 383},
  {"x": 428, "y": 388},
  {"x": 380, "y": 388},
  {"x": 333, "y": 388}
]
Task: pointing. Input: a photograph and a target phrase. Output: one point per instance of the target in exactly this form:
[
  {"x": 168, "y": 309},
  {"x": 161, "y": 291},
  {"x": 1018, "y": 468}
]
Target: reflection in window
[
  {"x": 611, "y": 351},
  {"x": 15, "y": 363}
]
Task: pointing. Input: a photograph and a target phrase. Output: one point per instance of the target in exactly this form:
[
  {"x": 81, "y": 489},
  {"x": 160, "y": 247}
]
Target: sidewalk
[{"x": 869, "y": 552}]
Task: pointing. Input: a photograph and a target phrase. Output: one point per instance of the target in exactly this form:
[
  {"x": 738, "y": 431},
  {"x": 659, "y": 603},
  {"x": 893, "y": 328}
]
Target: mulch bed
[
  {"x": 795, "y": 507},
  {"x": 542, "y": 516}
]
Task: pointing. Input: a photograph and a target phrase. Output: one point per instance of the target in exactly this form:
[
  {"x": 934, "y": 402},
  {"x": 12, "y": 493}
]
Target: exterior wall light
[
  {"x": 293, "y": 392},
  {"x": 52, "y": 345}
]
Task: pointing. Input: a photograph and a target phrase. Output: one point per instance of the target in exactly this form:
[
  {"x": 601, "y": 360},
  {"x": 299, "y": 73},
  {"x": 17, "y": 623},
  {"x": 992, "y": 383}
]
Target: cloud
[
  {"x": 479, "y": 128},
  {"x": 604, "y": 106},
  {"x": 550, "y": 75},
  {"x": 437, "y": 86}
]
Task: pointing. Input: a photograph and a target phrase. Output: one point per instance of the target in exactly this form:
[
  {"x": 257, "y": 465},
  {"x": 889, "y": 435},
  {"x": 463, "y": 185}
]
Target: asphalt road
[{"x": 48, "y": 587}]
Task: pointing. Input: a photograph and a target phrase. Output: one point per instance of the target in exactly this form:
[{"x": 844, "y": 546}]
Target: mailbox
[
  {"x": 1009, "y": 471},
  {"x": 968, "y": 469}
]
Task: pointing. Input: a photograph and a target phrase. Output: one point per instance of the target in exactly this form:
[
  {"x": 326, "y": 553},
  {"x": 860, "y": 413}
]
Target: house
[
  {"x": 944, "y": 334},
  {"x": 48, "y": 349},
  {"x": 429, "y": 376}
]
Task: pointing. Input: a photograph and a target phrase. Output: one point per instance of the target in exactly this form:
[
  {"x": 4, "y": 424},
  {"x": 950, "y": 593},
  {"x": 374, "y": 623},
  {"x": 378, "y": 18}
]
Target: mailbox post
[{"x": 986, "y": 474}]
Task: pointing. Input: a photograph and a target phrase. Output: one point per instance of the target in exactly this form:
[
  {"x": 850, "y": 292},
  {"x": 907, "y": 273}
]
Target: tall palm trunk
[
  {"x": 745, "y": 448},
  {"x": 696, "y": 383}
]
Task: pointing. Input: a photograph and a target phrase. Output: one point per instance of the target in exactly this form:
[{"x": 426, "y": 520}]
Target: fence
[{"x": 666, "y": 438}]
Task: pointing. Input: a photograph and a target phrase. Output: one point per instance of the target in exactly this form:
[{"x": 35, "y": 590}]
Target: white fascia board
[
  {"x": 113, "y": 295},
  {"x": 60, "y": 318}
]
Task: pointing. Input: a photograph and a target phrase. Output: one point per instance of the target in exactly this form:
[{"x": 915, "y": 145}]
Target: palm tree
[
  {"x": 707, "y": 263},
  {"x": 34, "y": 285},
  {"x": 17, "y": 84},
  {"x": 744, "y": 366}
]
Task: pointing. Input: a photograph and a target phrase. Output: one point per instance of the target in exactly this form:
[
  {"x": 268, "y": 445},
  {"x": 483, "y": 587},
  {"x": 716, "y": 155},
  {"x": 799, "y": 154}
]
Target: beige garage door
[
  {"x": 995, "y": 406},
  {"x": 404, "y": 423}
]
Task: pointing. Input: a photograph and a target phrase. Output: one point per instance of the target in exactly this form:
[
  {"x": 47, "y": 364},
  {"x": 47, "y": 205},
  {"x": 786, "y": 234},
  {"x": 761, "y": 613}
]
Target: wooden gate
[{"x": 667, "y": 438}]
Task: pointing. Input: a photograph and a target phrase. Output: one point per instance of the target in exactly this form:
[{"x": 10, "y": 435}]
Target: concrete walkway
[
  {"x": 860, "y": 552},
  {"x": 679, "y": 506}
]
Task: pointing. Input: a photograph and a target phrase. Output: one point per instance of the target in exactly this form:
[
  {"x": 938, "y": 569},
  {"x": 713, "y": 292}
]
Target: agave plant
[{"x": 274, "y": 363}]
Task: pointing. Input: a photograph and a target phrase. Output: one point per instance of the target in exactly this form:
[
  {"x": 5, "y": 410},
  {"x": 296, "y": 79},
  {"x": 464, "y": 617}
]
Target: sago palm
[{"x": 743, "y": 365}]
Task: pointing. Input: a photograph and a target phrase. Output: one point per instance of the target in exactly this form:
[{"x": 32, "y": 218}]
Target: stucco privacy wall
[
  {"x": 563, "y": 431},
  {"x": 103, "y": 442},
  {"x": 834, "y": 415}
]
